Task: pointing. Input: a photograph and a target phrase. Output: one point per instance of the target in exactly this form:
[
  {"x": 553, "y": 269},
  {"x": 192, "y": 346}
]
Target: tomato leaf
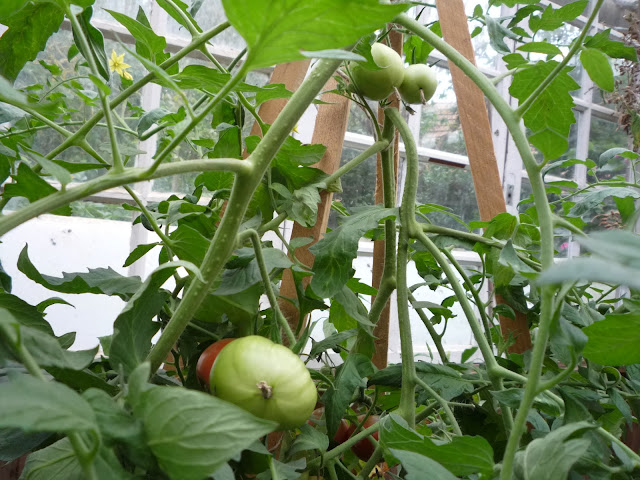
[
  {"x": 32, "y": 187},
  {"x": 29, "y": 29},
  {"x": 550, "y": 115},
  {"x": 610, "y": 47},
  {"x": 104, "y": 281},
  {"x": 309, "y": 439},
  {"x": 272, "y": 28},
  {"x": 237, "y": 280},
  {"x": 14, "y": 308},
  {"x": 597, "y": 66},
  {"x": 192, "y": 434},
  {"x": 334, "y": 254},
  {"x": 614, "y": 340},
  {"x": 34, "y": 405},
  {"x": 149, "y": 45},
  {"x": 416, "y": 464}
]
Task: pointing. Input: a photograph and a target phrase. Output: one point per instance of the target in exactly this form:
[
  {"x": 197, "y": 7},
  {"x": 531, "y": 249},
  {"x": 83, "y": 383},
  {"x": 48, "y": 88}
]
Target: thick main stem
[{"x": 224, "y": 240}]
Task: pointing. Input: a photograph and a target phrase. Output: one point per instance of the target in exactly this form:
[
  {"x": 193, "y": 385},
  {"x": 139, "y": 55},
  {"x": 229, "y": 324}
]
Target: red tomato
[
  {"x": 205, "y": 362},
  {"x": 365, "y": 447}
]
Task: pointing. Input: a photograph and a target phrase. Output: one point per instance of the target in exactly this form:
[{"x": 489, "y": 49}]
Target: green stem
[
  {"x": 577, "y": 45},
  {"x": 376, "y": 456},
  {"x": 343, "y": 447},
  {"x": 613, "y": 439},
  {"x": 476, "y": 296},
  {"x": 111, "y": 180},
  {"x": 104, "y": 100},
  {"x": 89, "y": 124},
  {"x": 152, "y": 221},
  {"x": 351, "y": 164},
  {"x": 11, "y": 133},
  {"x": 437, "y": 339},
  {"x": 224, "y": 240},
  {"x": 266, "y": 280},
  {"x": 408, "y": 222},
  {"x": 443, "y": 404}
]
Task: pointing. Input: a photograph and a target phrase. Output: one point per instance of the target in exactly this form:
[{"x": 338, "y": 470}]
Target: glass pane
[
  {"x": 359, "y": 121},
  {"x": 486, "y": 56},
  {"x": 439, "y": 122},
  {"x": 613, "y": 14},
  {"x": 210, "y": 14},
  {"x": 128, "y": 7},
  {"x": 108, "y": 211},
  {"x": 450, "y": 187},
  {"x": 605, "y": 135}
]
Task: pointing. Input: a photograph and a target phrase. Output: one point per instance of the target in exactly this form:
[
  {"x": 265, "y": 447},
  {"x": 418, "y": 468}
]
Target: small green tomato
[
  {"x": 419, "y": 84},
  {"x": 379, "y": 84}
]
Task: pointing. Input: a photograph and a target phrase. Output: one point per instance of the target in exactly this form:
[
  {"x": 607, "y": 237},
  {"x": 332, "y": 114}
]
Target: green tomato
[
  {"x": 378, "y": 84},
  {"x": 419, "y": 84},
  {"x": 266, "y": 379}
]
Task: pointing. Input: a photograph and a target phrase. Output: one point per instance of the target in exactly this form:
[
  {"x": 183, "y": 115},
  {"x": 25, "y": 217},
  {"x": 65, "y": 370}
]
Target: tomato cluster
[{"x": 416, "y": 83}]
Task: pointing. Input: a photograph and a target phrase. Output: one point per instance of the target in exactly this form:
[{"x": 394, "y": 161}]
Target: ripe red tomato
[
  {"x": 365, "y": 447},
  {"x": 208, "y": 356},
  {"x": 266, "y": 379}
]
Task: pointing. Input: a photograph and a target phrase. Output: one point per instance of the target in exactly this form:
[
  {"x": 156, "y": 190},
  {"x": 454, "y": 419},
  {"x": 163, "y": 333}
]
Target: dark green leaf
[
  {"x": 104, "y": 281},
  {"x": 309, "y": 439},
  {"x": 239, "y": 279},
  {"x": 115, "y": 423},
  {"x": 95, "y": 41},
  {"x": 192, "y": 434},
  {"x": 272, "y": 28},
  {"x": 14, "y": 443},
  {"x": 511, "y": 397},
  {"x": 149, "y": 45},
  {"x": 20, "y": 311},
  {"x": 29, "y": 29},
  {"x": 139, "y": 252},
  {"x": 334, "y": 254},
  {"x": 331, "y": 341}
]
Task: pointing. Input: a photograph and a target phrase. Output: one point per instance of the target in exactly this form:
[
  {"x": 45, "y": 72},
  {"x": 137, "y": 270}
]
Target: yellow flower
[{"x": 116, "y": 64}]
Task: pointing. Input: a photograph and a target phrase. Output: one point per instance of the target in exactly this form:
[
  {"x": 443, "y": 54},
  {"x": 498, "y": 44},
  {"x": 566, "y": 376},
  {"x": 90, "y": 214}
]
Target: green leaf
[
  {"x": 416, "y": 465},
  {"x": 353, "y": 306},
  {"x": 181, "y": 19},
  {"x": 104, "y": 281},
  {"x": 550, "y": 115},
  {"x": 335, "y": 253},
  {"x": 497, "y": 33},
  {"x": 588, "y": 201},
  {"x": 463, "y": 456},
  {"x": 32, "y": 187},
  {"x": 611, "y": 48},
  {"x": 332, "y": 341},
  {"x": 20, "y": 311},
  {"x": 134, "y": 328},
  {"x": 149, "y": 45},
  {"x": 555, "y": 18},
  {"x": 239, "y": 307},
  {"x": 598, "y": 67},
  {"x": 541, "y": 47},
  {"x": 236, "y": 280},
  {"x": 96, "y": 43},
  {"x": 189, "y": 244},
  {"x": 590, "y": 269},
  {"x": 14, "y": 443},
  {"x": 444, "y": 380},
  {"x": 29, "y": 29},
  {"x": 351, "y": 375},
  {"x": 115, "y": 423},
  {"x": 191, "y": 433},
  {"x": 34, "y": 405},
  {"x": 272, "y": 28},
  {"x": 139, "y": 252},
  {"x": 511, "y": 397},
  {"x": 60, "y": 173},
  {"x": 614, "y": 340},
  {"x": 309, "y": 439}
]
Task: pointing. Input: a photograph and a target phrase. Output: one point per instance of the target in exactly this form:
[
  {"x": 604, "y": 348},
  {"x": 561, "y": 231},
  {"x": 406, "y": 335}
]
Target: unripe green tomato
[
  {"x": 266, "y": 379},
  {"x": 378, "y": 84},
  {"x": 418, "y": 78}
]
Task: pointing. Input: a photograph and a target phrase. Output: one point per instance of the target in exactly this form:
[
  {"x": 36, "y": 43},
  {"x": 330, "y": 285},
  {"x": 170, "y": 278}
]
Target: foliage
[{"x": 71, "y": 130}]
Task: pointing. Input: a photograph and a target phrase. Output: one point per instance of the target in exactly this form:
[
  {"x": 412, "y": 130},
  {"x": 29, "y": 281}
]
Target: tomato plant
[
  {"x": 208, "y": 356},
  {"x": 265, "y": 379},
  {"x": 185, "y": 116}
]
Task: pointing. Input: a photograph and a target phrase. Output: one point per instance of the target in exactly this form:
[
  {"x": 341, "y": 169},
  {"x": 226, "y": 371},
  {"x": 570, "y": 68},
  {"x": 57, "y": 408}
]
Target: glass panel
[
  {"x": 613, "y": 14},
  {"x": 605, "y": 135},
  {"x": 359, "y": 121},
  {"x": 439, "y": 122},
  {"x": 450, "y": 187},
  {"x": 108, "y": 211},
  {"x": 486, "y": 56},
  {"x": 128, "y": 7},
  {"x": 210, "y": 14}
]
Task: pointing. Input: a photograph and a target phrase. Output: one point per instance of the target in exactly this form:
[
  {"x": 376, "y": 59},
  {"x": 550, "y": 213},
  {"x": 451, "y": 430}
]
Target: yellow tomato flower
[{"x": 116, "y": 64}]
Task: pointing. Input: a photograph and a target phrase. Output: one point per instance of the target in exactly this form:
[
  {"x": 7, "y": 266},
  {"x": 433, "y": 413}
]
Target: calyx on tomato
[
  {"x": 207, "y": 357},
  {"x": 378, "y": 84},
  {"x": 266, "y": 379},
  {"x": 419, "y": 84}
]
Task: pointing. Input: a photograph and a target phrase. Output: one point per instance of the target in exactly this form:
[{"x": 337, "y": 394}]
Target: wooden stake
[{"x": 478, "y": 139}]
